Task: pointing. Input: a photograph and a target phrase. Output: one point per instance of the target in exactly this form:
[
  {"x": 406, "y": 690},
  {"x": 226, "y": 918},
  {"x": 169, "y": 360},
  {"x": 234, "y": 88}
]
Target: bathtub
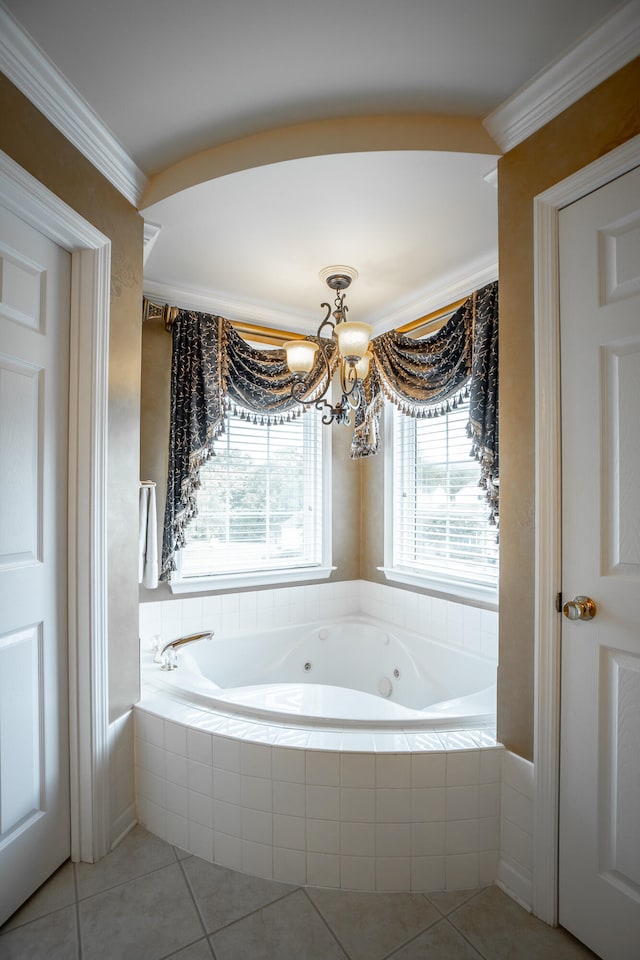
[
  {"x": 351, "y": 671},
  {"x": 343, "y": 753}
]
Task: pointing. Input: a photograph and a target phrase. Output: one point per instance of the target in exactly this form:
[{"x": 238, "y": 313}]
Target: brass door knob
[{"x": 580, "y": 608}]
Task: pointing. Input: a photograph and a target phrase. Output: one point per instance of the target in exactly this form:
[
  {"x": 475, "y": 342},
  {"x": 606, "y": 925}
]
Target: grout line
[
  {"x": 326, "y": 922},
  {"x": 257, "y": 910},
  {"x": 250, "y": 914},
  {"x": 47, "y": 913},
  {"x": 197, "y": 906},
  {"x": 175, "y": 953},
  {"x": 25, "y": 923},
  {"x": 77, "y": 907},
  {"x": 238, "y": 919},
  {"x": 472, "y": 894},
  {"x": 406, "y": 943},
  {"x": 435, "y": 906},
  {"x": 122, "y": 883},
  {"x": 476, "y": 893},
  {"x": 473, "y": 946},
  {"x": 461, "y": 932}
]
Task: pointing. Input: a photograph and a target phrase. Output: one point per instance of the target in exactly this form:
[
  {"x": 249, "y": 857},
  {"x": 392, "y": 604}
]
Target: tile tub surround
[
  {"x": 358, "y": 809},
  {"x": 417, "y": 812},
  {"x": 233, "y": 614}
]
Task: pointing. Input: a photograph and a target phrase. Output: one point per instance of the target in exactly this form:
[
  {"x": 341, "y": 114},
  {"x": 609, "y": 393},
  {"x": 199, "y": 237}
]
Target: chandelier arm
[
  {"x": 339, "y": 412},
  {"x": 326, "y": 321},
  {"x": 356, "y": 395},
  {"x": 349, "y": 382},
  {"x": 298, "y": 391}
]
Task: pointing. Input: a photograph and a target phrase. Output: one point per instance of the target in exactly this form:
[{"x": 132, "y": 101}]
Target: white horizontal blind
[
  {"x": 260, "y": 501},
  {"x": 440, "y": 514}
]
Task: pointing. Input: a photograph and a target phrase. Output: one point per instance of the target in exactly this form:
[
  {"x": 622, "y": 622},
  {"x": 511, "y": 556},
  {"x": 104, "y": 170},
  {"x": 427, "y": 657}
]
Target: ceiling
[{"x": 171, "y": 79}]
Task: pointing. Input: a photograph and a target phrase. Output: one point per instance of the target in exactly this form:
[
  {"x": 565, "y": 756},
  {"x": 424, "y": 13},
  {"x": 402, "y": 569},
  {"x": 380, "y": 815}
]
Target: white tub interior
[{"x": 352, "y": 670}]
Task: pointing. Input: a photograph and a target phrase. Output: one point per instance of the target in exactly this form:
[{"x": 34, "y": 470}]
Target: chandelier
[{"x": 351, "y": 340}]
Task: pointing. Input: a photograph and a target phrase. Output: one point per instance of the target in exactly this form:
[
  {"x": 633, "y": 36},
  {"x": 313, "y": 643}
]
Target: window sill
[
  {"x": 238, "y": 581},
  {"x": 456, "y": 590}
]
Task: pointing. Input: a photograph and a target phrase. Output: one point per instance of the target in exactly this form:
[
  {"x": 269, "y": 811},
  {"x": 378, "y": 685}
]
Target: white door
[
  {"x": 34, "y": 387},
  {"x": 599, "y": 855}
]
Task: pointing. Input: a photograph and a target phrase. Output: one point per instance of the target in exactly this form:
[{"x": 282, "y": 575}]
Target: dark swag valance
[{"x": 213, "y": 371}]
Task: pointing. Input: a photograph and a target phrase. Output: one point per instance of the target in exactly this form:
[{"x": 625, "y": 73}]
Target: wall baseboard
[
  {"x": 123, "y": 825},
  {"x": 516, "y": 883}
]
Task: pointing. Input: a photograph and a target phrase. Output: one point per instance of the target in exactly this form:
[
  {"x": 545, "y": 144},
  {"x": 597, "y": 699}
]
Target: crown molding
[
  {"x": 270, "y": 315},
  {"x": 607, "y": 48},
  {"x": 151, "y": 231},
  {"x": 221, "y": 304},
  {"x": 435, "y": 296},
  {"x": 37, "y": 77}
]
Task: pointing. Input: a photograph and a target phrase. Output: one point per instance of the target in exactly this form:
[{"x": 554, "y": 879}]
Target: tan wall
[
  {"x": 154, "y": 444},
  {"x": 600, "y": 121},
  {"x": 41, "y": 150},
  {"x": 371, "y": 515}
]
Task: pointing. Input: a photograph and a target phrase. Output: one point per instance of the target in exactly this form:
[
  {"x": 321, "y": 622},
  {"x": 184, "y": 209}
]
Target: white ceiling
[{"x": 169, "y": 79}]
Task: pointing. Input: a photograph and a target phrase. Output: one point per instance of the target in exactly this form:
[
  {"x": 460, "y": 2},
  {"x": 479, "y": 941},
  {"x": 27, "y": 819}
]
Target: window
[
  {"x": 440, "y": 535},
  {"x": 263, "y": 507}
]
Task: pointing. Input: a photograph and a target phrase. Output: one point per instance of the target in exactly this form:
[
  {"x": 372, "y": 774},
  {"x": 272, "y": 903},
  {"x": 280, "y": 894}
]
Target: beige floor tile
[
  {"x": 139, "y": 853},
  {"x": 448, "y": 900},
  {"x": 501, "y": 930},
  {"x": 289, "y": 929},
  {"x": 58, "y": 891},
  {"x": 226, "y": 895},
  {"x": 371, "y": 925},
  {"x": 54, "y": 937},
  {"x": 144, "y": 919},
  {"x": 181, "y": 854},
  {"x": 138, "y": 904},
  {"x": 440, "y": 942},
  {"x": 196, "y": 951}
]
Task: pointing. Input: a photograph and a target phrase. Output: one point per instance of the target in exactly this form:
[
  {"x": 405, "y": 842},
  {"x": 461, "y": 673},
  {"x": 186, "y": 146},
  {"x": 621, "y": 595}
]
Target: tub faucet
[{"x": 167, "y": 656}]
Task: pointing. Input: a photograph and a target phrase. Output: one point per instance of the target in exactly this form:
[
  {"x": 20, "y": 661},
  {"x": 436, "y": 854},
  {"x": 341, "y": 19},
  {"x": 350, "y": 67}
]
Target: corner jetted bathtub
[
  {"x": 343, "y": 753},
  {"x": 348, "y": 672}
]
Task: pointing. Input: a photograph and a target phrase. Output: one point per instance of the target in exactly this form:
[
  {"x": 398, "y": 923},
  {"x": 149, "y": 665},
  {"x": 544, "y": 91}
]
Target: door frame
[
  {"x": 548, "y": 513},
  {"x": 90, "y": 253}
]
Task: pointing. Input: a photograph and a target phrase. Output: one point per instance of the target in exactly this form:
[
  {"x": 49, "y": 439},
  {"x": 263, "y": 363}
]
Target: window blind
[
  {"x": 440, "y": 519},
  {"x": 260, "y": 501}
]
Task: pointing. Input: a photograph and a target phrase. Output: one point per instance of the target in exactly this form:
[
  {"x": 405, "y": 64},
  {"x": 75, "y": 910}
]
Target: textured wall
[
  {"x": 371, "y": 521},
  {"x": 41, "y": 150},
  {"x": 596, "y": 124}
]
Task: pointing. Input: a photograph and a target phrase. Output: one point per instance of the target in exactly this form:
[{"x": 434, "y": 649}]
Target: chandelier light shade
[
  {"x": 362, "y": 366},
  {"x": 301, "y": 355},
  {"x": 351, "y": 341}
]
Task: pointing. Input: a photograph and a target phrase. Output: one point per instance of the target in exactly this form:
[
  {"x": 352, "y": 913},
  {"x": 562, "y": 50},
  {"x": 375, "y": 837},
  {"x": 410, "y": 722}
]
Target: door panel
[
  {"x": 599, "y": 855},
  {"x": 34, "y": 384},
  {"x": 20, "y": 447}
]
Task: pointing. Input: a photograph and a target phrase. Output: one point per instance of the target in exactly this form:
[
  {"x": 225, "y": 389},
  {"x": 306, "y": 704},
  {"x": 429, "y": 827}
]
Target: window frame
[
  {"x": 280, "y": 576},
  {"x": 446, "y": 587}
]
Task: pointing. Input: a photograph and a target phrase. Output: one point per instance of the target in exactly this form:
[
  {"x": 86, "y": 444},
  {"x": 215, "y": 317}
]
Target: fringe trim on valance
[
  {"x": 419, "y": 411},
  {"x": 489, "y": 480},
  {"x": 188, "y": 510}
]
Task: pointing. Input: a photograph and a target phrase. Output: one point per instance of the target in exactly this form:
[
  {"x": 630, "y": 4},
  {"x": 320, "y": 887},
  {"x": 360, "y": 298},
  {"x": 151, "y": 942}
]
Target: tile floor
[{"x": 150, "y": 901}]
